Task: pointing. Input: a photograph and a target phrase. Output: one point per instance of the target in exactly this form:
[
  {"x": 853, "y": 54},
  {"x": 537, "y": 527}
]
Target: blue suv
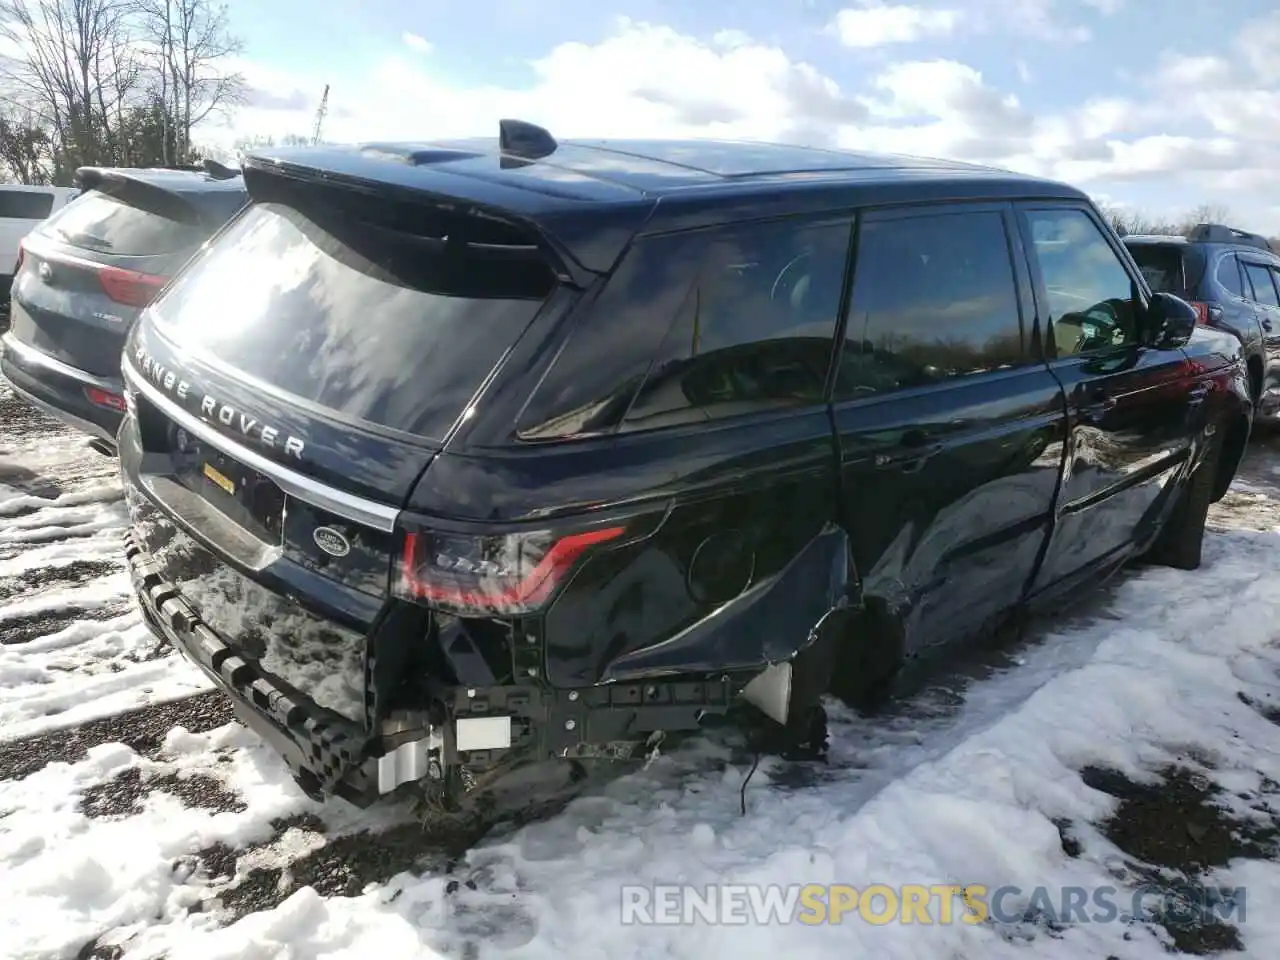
[{"x": 1232, "y": 278}]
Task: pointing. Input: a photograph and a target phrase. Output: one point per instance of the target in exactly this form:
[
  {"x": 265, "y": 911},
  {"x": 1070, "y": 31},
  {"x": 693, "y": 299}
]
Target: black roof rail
[
  {"x": 527, "y": 141},
  {"x": 1220, "y": 233}
]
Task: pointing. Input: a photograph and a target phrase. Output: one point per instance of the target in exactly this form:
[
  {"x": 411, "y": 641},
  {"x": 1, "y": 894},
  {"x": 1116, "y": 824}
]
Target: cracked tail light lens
[{"x": 510, "y": 574}]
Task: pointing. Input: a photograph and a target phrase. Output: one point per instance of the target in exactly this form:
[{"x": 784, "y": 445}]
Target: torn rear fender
[{"x": 770, "y": 622}]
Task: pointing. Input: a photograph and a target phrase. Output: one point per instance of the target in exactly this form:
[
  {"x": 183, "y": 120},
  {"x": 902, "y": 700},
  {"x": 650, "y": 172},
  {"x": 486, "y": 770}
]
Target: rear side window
[
  {"x": 362, "y": 320},
  {"x": 96, "y": 221},
  {"x": 1264, "y": 289},
  {"x": 934, "y": 297},
  {"x": 1162, "y": 266},
  {"x": 755, "y": 331},
  {"x": 25, "y": 204},
  {"x": 1228, "y": 275}
]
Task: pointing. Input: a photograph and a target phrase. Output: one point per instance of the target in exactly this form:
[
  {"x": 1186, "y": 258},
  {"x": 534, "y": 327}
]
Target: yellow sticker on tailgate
[{"x": 220, "y": 479}]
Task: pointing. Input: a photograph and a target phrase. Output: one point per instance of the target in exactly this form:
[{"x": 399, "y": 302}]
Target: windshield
[{"x": 371, "y": 323}]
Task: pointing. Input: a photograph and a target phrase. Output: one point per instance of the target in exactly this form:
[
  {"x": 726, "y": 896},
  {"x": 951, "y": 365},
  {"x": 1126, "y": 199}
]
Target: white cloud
[
  {"x": 1206, "y": 122},
  {"x": 729, "y": 39},
  {"x": 416, "y": 43},
  {"x": 1105, "y": 7},
  {"x": 877, "y": 24}
]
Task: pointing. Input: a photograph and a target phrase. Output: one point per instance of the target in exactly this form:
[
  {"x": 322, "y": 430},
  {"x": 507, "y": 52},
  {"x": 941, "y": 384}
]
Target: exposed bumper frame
[{"x": 329, "y": 754}]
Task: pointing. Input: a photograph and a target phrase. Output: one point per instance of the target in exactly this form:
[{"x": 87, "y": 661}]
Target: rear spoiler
[{"x": 129, "y": 188}]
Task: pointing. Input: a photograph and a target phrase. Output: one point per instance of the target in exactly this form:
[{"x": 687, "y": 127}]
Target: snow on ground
[{"x": 137, "y": 821}]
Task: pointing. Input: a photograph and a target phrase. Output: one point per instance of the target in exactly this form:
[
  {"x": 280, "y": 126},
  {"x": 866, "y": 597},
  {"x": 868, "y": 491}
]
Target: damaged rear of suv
[
  {"x": 378, "y": 492},
  {"x": 449, "y": 458}
]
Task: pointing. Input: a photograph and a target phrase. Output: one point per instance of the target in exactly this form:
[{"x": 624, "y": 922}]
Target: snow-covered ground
[{"x": 137, "y": 821}]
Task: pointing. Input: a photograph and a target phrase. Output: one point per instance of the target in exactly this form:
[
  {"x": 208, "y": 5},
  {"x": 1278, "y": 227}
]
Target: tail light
[
  {"x": 105, "y": 399},
  {"x": 508, "y": 574},
  {"x": 1202, "y": 312},
  {"x": 129, "y": 287}
]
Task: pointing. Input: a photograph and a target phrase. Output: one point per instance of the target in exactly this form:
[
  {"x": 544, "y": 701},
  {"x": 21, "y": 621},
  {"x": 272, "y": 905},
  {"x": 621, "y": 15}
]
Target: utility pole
[{"x": 320, "y": 115}]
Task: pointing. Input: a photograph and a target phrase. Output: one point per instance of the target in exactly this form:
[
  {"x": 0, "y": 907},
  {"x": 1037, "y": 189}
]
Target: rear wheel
[
  {"x": 1181, "y": 541},
  {"x": 869, "y": 658}
]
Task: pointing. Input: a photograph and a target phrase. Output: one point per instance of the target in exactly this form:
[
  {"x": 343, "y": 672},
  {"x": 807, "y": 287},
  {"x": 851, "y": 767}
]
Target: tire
[
  {"x": 1181, "y": 541},
  {"x": 869, "y": 660}
]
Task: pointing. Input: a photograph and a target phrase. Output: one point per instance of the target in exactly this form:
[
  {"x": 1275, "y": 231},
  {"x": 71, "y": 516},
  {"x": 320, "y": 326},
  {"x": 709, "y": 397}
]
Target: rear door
[
  {"x": 1263, "y": 289},
  {"x": 950, "y": 425},
  {"x": 88, "y": 271},
  {"x": 1130, "y": 407}
]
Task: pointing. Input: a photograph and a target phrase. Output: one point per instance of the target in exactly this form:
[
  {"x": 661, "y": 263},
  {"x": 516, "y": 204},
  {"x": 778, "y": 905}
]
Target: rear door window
[
  {"x": 756, "y": 330},
  {"x": 1264, "y": 289},
  {"x": 362, "y": 321},
  {"x": 934, "y": 297},
  {"x": 25, "y": 204},
  {"x": 1228, "y": 275},
  {"x": 98, "y": 222}
]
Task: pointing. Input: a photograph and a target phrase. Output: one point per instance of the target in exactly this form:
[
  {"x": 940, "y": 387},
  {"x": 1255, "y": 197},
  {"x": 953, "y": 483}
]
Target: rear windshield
[
  {"x": 95, "y": 221},
  {"x": 1162, "y": 265},
  {"x": 368, "y": 322}
]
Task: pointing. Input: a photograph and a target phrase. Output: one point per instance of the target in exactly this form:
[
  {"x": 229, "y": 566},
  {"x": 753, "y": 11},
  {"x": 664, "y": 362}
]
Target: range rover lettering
[{"x": 443, "y": 459}]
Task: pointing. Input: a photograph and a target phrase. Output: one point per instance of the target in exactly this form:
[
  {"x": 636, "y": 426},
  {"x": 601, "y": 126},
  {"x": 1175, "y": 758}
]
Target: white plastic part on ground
[{"x": 961, "y": 785}]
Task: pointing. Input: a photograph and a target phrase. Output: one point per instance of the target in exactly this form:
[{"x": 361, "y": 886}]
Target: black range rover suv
[{"x": 445, "y": 458}]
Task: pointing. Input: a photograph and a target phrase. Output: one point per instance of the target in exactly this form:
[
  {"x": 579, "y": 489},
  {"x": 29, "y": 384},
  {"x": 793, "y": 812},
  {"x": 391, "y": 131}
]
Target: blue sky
[{"x": 1160, "y": 106}]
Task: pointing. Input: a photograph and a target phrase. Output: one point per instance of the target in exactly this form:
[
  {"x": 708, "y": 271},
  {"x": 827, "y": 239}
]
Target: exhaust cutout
[{"x": 103, "y": 447}]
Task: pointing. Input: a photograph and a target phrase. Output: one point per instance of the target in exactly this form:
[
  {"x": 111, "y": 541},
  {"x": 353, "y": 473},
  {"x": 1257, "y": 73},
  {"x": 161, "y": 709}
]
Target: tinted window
[
  {"x": 365, "y": 321},
  {"x": 1090, "y": 295},
  {"x": 756, "y": 329},
  {"x": 95, "y": 221},
  {"x": 1161, "y": 265},
  {"x": 25, "y": 204},
  {"x": 934, "y": 297},
  {"x": 613, "y": 340},
  {"x": 1264, "y": 290},
  {"x": 1229, "y": 275}
]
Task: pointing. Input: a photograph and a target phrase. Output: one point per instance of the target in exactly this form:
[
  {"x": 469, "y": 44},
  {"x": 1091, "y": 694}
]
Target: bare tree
[
  {"x": 26, "y": 149},
  {"x": 188, "y": 41},
  {"x": 73, "y": 71}
]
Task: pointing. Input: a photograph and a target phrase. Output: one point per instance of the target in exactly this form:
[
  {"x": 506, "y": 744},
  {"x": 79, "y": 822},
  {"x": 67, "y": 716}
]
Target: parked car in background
[
  {"x": 22, "y": 208},
  {"x": 447, "y": 458},
  {"x": 86, "y": 272},
  {"x": 1232, "y": 278}
]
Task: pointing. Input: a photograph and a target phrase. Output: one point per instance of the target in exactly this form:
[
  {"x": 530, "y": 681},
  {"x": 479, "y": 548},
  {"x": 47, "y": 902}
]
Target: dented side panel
[{"x": 746, "y": 562}]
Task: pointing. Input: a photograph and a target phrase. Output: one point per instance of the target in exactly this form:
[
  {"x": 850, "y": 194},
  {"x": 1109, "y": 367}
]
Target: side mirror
[{"x": 1169, "y": 322}]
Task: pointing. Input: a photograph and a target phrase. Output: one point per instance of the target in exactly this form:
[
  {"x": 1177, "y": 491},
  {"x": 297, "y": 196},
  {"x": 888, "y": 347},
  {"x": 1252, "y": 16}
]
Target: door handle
[
  {"x": 909, "y": 460},
  {"x": 1266, "y": 325}
]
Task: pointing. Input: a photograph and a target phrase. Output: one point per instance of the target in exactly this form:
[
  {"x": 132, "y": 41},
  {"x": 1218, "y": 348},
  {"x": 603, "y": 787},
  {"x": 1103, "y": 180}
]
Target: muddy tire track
[
  {"x": 143, "y": 730},
  {"x": 24, "y": 628}
]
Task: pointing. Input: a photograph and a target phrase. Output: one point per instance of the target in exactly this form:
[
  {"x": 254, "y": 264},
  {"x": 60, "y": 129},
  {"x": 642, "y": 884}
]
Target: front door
[
  {"x": 950, "y": 428},
  {"x": 1128, "y": 405}
]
